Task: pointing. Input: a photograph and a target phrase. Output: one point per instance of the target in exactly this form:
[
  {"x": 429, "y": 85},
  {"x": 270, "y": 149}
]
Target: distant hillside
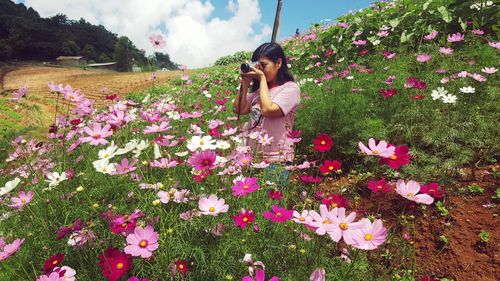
[{"x": 24, "y": 35}]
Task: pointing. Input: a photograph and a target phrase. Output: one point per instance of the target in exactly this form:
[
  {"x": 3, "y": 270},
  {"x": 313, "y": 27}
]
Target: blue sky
[{"x": 198, "y": 32}]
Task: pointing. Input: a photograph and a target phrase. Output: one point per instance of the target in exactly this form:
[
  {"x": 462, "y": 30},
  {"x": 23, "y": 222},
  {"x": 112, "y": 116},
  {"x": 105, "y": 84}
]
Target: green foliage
[
  {"x": 496, "y": 196},
  {"x": 484, "y": 236},
  {"x": 238, "y": 57},
  {"x": 475, "y": 189},
  {"x": 123, "y": 55},
  {"x": 442, "y": 209}
]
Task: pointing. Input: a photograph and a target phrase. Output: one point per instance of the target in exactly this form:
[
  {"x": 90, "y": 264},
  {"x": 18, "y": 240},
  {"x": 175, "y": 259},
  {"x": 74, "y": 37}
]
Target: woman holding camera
[{"x": 271, "y": 102}]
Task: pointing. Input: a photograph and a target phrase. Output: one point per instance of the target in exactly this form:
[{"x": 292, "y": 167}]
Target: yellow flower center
[
  {"x": 331, "y": 168},
  {"x": 410, "y": 194},
  {"x": 343, "y": 226},
  {"x": 244, "y": 161},
  {"x": 334, "y": 205},
  {"x": 302, "y": 219},
  {"x": 379, "y": 187},
  {"x": 245, "y": 186},
  {"x": 124, "y": 225},
  {"x": 202, "y": 142},
  {"x": 23, "y": 201},
  {"x": 245, "y": 219},
  {"x": 375, "y": 151},
  {"x": 143, "y": 243},
  {"x": 212, "y": 209},
  {"x": 394, "y": 157},
  {"x": 96, "y": 136},
  {"x": 55, "y": 262},
  {"x": 119, "y": 265},
  {"x": 181, "y": 266},
  {"x": 326, "y": 221},
  {"x": 323, "y": 142},
  {"x": 368, "y": 237},
  {"x": 278, "y": 214},
  {"x": 206, "y": 162}
]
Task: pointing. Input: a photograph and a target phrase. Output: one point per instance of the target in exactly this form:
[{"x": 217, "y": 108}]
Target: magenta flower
[
  {"x": 10, "y": 249},
  {"x": 400, "y": 157},
  {"x": 260, "y": 275},
  {"x": 157, "y": 41},
  {"x": 204, "y": 160},
  {"x": 244, "y": 218},
  {"x": 410, "y": 191},
  {"x": 381, "y": 185},
  {"x": 382, "y": 149},
  {"x": 457, "y": 37},
  {"x": 212, "y": 205},
  {"x": 142, "y": 242},
  {"x": 433, "y": 189},
  {"x": 125, "y": 167},
  {"x": 318, "y": 275},
  {"x": 430, "y": 36},
  {"x": 478, "y": 31},
  {"x": 278, "y": 214},
  {"x": 96, "y": 134},
  {"x": 371, "y": 235},
  {"x": 424, "y": 58},
  {"x": 21, "y": 200},
  {"x": 344, "y": 227},
  {"x": 248, "y": 185}
]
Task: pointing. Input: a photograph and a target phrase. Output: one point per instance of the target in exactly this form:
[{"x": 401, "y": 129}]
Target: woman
[{"x": 271, "y": 103}]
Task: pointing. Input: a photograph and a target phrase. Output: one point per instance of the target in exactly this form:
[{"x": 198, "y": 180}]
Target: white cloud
[{"x": 194, "y": 37}]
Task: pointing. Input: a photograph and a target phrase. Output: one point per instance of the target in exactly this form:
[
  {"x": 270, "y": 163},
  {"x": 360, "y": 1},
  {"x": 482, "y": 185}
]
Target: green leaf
[
  {"x": 405, "y": 37},
  {"x": 394, "y": 22},
  {"x": 462, "y": 24},
  {"x": 426, "y": 4},
  {"x": 444, "y": 14}
]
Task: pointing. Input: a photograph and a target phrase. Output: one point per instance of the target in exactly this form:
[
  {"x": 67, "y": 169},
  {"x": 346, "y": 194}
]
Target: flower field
[{"x": 394, "y": 177}]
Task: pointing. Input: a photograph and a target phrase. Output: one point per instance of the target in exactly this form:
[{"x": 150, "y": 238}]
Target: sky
[{"x": 198, "y": 32}]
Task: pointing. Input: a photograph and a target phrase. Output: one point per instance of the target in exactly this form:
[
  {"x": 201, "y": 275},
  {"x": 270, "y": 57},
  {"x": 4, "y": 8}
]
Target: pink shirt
[{"x": 287, "y": 97}]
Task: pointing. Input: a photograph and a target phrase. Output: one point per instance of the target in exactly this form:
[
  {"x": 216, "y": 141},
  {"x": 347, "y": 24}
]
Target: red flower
[
  {"x": 275, "y": 195},
  {"x": 323, "y": 143},
  {"x": 433, "y": 190},
  {"x": 363, "y": 52},
  {"x": 328, "y": 52},
  {"x": 244, "y": 218},
  {"x": 417, "y": 97},
  {"x": 428, "y": 278},
  {"x": 330, "y": 166},
  {"x": 182, "y": 266},
  {"x": 387, "y": 93},
  {"x": 201, "y": 177},
  {"x": 310, "y": 179},
  {"x": 381, "y": 185},
  {"x": 400, "y": 158},
  {"x": 335, "y": 201},
  {"x": 215, "y": 133},
  {"x": 52, "y": 262},
  {"x": 114, "y": 263}
]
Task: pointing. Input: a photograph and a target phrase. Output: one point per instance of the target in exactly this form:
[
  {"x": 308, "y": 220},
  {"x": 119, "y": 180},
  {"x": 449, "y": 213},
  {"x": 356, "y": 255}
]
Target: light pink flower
[
  {"x": 164, "y": 163},
  {"x": 125, "y": 167},
  {"x": 71, "y": 95},
  {"x": 478, "y": 31},
  {"x": 318, "y": 275},
  {"x": 22, "y": 199},
  {"x": 157, "y": 41},
  {"x": 96, "y": 134},
  {"x": 457, "y": 37},
  {"x": 424, "y": 58},
  {"x": 430, "y": 36},
  {"x": 10, "y": 249},
  {"x": 381, "y": 149},
  {"x": 212, "y": 205},
  {"x": 359, "y": 42},
  {"x": 53, "y": 276},
  {"x": 446, "y": 51},
  {"x": 301, "y": 218},
  {"x": 478, "y": 77},
  {"x": 142, "y": 242},
  {"x": 69, "y": 273},
  {"x": 323, "y": 222},
  {"x": 495, "y": 45},
  {"x": 371, "y": 235},
  {"x": 344, "y": 227},
  {"x": 489, "y": 70},
  {"x": 410, "y": 191},
  {"x": 164, "y": 126}
]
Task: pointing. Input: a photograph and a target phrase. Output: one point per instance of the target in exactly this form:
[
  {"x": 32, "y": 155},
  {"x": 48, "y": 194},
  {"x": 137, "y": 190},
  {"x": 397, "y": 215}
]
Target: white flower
[
  {"x": 202, "y": 143},
  {"x": 350, "y": 77},
  {"x": 103, "y": 166},
  {"x": 54, "y": 179},
  {"x": 438, "y": 93},
  {"x": 222, "y": 144},
  {"x": 182, "y": 154},
  {"x": 254, "y": 135},
  {"x": 265, "y": 139},
  {"x": 449, "y": 98},
  {"x": 156, "y": 150},
  {"x": 207, "y": 94},
  {"x": 174, "y": 115},
  {"x": 131, "y": 145},
  {"x": 108, "y": 152},
  {"x": 9, "y": 186},
  {"x": 220, "y": 160},
  {"x": 468, "y": 89}
]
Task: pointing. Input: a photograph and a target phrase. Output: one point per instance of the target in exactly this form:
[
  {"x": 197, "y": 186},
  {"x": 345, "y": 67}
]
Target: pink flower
[
  {"x": 388, "y": 55},
  {"x": 410, "y": 191},
  {"x": 72, "y": 96},
  {"x": 10, "y": 249},
  {"x": 322, "y": 222},
  {"x": 495, "y": 45},
  {"x": 22, "y": 199},
  {"x": 125, "y": 167},
  {"x": 489, "y": 70},
  {"x": 242, "y": 188},
  {"x": 457, "y": 37},
  {"x": 260, "y": 275},
  {"x": 97, "y": 134},
  {"x": 142, "y": 242},
  {"x": 20, "y": 93},
  {"x": 318, "y": 275},
  {"x": 424, "y": 58},
  {"x": 430, "y": 36},
  {"x": 157, "y": 41},
  {"x": 164, "y": 163},
  {"x": 344, "y": 227},
  {"x": 301, "y": 218},
  {"x": 381, "y": 185},
  {"x": 204, "y": 160},
  {"x": 478, "y": 31},
  {"x": 53, "y": 276},
  {"x": 433, "y": 189},
  {"x": 398, "y": 159},
  {"x": 244, "y": 218},
  {"x": 243, "y": 159},
  {"x": 359, "y": 42},
  {"x": 446, "y": 51},
  {"x": 164, "y": 126},
  {"x": 212, "y": 205},
  {"x": 387, "y": 93},
  {"x": 67, "y": 272},
  {"x": 278, "y": 214},
  {"x": 371, "y": 235},
  {"x": 382, "y": 149}
]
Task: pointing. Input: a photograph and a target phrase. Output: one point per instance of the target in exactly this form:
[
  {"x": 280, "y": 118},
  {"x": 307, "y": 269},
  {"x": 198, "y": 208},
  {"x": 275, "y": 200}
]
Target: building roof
[
  {"x": 101, "y": 64},
  {"x": 69, "y": 58}
]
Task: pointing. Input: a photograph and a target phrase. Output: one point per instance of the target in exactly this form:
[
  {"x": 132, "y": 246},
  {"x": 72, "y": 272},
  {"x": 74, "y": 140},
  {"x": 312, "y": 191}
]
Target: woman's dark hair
[{"x": 272, "y": 51}]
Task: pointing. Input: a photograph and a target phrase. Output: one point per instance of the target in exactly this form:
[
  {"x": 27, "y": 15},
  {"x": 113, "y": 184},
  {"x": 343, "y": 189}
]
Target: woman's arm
[
  {"x": 267, "y": 107},
  {"x": 243, "y": 107}
]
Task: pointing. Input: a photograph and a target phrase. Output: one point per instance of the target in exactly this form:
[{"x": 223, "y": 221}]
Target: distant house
[
  {"x": 70, "y": 60},
  {"x": 104, "y": 65},
  {"x": 136, "y": 68}
]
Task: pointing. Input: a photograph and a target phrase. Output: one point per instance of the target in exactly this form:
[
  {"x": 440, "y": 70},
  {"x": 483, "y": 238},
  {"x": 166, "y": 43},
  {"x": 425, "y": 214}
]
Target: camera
[{"x": 245, "y": 67}]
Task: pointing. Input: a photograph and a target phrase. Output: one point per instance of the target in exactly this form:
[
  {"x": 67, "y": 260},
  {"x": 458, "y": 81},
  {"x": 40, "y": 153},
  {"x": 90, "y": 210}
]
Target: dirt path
[{"x": 38, "y": 109}]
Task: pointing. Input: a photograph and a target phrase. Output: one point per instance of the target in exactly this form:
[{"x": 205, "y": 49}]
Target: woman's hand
[{"x": 254, "y": 73}]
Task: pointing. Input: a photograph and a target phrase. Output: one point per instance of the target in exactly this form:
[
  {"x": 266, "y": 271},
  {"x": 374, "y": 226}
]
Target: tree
[
  {"x": 70, "y": 48},
  {"x": 122, "y": 54},
  {"x": 89, "y": 52}
]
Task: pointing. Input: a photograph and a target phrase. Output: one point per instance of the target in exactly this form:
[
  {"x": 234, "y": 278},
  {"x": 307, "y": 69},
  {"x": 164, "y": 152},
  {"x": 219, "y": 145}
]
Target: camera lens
[{"x": 245, "y": 67}]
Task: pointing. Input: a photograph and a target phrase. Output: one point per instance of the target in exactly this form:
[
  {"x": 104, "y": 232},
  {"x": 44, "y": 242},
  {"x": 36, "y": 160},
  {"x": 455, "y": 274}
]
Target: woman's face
[{"x": 269, "y": 68}]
